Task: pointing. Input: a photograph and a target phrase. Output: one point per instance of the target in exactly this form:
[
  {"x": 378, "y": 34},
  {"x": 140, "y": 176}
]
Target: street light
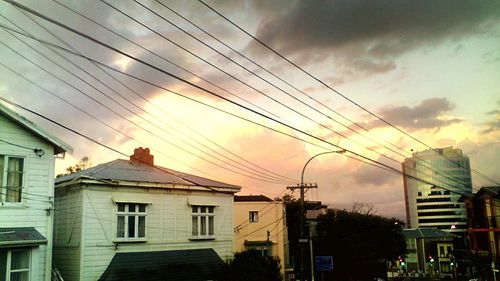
[{"x": 302, "y": 186}]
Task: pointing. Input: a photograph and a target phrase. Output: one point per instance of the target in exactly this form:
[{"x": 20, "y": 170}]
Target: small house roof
[
  {"x": 124, "y": 170},
  {"x": 189, "y": 265},
  {"x": 426, "y": 233},
  {"x": 20, "y": 236},
  {"x": 252, "y": 198},
  {"x": 59, "y": 145}
]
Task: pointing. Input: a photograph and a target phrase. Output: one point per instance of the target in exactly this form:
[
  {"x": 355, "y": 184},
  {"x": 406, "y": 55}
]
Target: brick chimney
[{"x": 142, "y": 156}]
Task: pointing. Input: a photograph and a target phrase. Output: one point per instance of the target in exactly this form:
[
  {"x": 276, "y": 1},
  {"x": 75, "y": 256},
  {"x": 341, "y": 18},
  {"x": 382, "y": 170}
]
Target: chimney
[{"x": 142, "y": 156}]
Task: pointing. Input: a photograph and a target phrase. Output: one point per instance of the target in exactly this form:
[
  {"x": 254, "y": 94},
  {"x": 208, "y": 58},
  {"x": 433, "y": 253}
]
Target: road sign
[{"x": 324, "y": 263}]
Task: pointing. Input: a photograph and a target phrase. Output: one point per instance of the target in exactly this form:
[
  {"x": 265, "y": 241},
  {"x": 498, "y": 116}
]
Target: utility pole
[
  {"x": 303, "y": 186},
  {"x": 302, "y": 240}
]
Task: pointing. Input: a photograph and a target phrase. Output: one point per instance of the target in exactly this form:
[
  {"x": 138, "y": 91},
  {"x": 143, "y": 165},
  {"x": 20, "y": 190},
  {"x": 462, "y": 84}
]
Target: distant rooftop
[
  {"x": 426, "y": 233},
  {"x": 252, "y": 198}
]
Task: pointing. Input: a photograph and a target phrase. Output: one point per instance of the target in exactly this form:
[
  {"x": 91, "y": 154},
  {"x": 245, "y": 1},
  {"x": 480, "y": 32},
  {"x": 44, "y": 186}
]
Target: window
[
  {"x": 202, "y": 225},
  {"x": 411, "y": 243},
  {"x": 15, "y": 265},
  {"x": 131, "y": 221},
  {"x": 253, "y": 216},
  {"x": 11, "y": 178},
  {"x": 264, "y": 248}
]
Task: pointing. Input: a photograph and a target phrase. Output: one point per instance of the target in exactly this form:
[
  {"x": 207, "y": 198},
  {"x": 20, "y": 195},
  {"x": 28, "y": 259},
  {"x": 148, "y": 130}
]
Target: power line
[
  {"x": 332, "y": 89},
  {"x": 208, "y": 91},
  {"x": 163, "y": 58},
  {"x": 35, "y": 150},
  {"x": 315, "y": 137},
  {"x": 147, "y": 100},
  {"x": 248, "y": 70},
  {"x": 282, "y": 80},
  {"x": 173, "y": 92},
  {"x": 265, "y": 178},
  {"x": 135, "y": 20}
]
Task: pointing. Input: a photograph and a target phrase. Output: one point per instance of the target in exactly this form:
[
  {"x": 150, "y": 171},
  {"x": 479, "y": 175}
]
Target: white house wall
[
  {"x": 167, "y": 224},
  {"x": 37, "y": 194},
  {"x": 67, "y": 232}
]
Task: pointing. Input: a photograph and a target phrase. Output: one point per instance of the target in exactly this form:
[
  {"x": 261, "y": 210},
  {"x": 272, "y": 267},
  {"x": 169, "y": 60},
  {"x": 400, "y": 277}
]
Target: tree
[
  {"x": 251, "y": 266},
  {"x": 359, "y": 240},
  {"x": 83, "y": 164}
]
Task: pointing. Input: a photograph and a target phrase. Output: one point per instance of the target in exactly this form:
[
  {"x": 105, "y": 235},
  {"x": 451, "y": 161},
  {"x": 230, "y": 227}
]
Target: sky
[{"x": 428, "y": 68}]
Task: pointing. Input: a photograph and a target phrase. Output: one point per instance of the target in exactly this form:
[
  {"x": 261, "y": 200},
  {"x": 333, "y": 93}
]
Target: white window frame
[
  {"x": 253, "y": 216},
  {"x": 198, "y": 215},
  {"x": 126, "y": 214},
  {"x": 8, "y": 265},
  {"x": 3, "y": 182}
]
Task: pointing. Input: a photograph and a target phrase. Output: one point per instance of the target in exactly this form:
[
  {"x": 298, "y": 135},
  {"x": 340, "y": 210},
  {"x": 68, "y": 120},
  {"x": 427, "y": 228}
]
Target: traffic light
[{"x": 402, "y": 262}]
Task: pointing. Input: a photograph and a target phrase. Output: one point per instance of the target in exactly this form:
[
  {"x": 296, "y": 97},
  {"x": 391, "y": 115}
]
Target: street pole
[{"x": 303, "y": 186}]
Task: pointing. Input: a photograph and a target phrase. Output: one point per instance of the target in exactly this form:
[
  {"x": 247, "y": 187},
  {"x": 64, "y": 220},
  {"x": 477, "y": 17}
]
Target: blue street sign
[{"x": 324, "y": 263}]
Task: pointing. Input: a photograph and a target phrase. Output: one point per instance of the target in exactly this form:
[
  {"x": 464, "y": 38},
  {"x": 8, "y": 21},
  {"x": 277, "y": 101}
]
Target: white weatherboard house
[
  {"x": 26, "y": 198},
  {"x": 132, "y": 220}
]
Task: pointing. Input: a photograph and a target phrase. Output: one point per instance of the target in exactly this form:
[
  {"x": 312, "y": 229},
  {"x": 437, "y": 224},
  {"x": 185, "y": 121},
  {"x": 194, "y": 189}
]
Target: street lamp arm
[{"x": 310, "y": 159}]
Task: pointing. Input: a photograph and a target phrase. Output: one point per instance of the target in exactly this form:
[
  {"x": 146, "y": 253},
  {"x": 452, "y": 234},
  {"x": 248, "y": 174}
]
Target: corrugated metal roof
[
  {"x": 186, "y": 265},
  {"x": 426, "y": 233},
  {"x": 124, "y": 170},
  {"x": 59, "y": 145},
  {"x": 17, "y": 236}
]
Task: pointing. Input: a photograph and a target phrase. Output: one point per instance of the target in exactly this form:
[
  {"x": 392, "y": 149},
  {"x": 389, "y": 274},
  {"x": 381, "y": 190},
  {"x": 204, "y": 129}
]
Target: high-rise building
[{"x": 433, "y": 183}]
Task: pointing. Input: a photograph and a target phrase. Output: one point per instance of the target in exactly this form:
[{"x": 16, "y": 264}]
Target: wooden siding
[
  {"x": 167, "y": 224},
  {"x": 67, "y": 232},
  {"x": 37, "y": 192}
]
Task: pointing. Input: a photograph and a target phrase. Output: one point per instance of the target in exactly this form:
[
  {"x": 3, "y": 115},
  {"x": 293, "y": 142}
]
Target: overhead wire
[
  {"x": 266, "y": 179},
  {"x": 163, "y": 58},
  {"x": 143, "y": 98},
  {"x": 286, "y": 125},
  {"x": 334, "y": 90},
  {"x": 252, "y": 72},
  {"x": 212, "y": 93},
  {"x": 287, "y": 83}
]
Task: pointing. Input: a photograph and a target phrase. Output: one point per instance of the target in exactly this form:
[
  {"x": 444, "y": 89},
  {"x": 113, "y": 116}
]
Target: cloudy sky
[{"x": 429, "y": 68}]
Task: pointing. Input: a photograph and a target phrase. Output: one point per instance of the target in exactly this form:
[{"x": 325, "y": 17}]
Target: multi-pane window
[
  {"x": 15, "y": 265},
  {"x": 203, "y": 225},
  {"x": 131, "y": 221},
  {"x": 11, "y": 178},
  {"x": 253, "y": 216}
]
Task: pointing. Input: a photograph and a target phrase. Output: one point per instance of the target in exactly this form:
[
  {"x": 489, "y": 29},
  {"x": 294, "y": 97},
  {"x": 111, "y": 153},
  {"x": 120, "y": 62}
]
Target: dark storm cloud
[
  {"x": 380, "y": 29},
  {"x": 426, "y": 115}
]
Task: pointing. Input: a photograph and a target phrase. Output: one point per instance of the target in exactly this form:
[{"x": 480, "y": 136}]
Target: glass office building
[{"x": 434, "y": 180}]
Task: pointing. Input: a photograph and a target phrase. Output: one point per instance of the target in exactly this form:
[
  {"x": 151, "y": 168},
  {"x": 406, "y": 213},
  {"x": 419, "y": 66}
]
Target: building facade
[
  {"x": 434, "y": 180},
  {"x": 430, "y": 253},
  {"x": 26, "y": 197},
  {"x": 260, "y": 224},
  {"x": 483, "y": 209},
  {"x": 133, "y": 220}
]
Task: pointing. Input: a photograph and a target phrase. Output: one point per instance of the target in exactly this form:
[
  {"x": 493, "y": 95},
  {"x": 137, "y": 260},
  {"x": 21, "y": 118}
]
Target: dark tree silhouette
[
  {"x": 251, "y": 266},
  {"x": 360, "y": 242},
  {"x": 83, "y": 164}
]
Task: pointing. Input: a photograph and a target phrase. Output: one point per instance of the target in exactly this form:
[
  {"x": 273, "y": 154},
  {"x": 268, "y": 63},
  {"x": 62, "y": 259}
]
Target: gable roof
[
  {"x": 124, "y": 170},
  {"x": 59, "y": 145},
  {"x": 187, "y": 265}
]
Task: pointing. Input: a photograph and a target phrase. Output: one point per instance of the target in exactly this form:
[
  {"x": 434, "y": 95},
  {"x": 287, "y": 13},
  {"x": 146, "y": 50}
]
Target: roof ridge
[{"x": 59, "y": 145}]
